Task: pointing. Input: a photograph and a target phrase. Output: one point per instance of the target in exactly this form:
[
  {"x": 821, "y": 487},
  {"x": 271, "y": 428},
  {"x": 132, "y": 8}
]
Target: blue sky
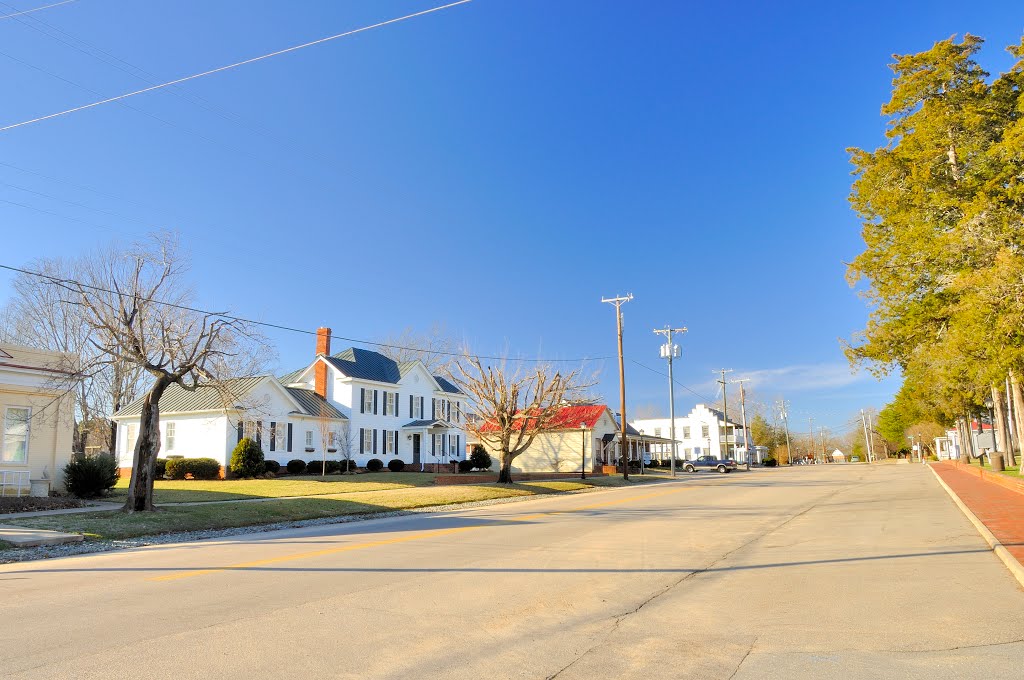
[{"x": 497, "y": 168}]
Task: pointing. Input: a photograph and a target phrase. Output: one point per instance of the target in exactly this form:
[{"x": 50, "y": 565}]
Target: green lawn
[
  {"x": 117, "y": 525},
  {"x": 1010, "y": 472},
  {"x": 194, "y": 490}
]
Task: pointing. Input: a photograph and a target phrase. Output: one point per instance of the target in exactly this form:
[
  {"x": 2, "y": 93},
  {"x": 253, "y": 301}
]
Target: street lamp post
[{"x": 583, "y": 466}]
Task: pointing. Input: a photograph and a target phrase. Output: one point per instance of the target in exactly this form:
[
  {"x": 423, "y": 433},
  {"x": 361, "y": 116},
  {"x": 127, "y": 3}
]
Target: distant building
[{"x": 703, "y": 431}]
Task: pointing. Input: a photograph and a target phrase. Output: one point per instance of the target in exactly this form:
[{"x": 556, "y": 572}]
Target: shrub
[
  {"x": 90, "y": 476},
  {"x": 272, "y": 466},
  {"x": 480, "y": 458},
  {"x": 247, "y": 459},
  {"x": 160, "y": 469},
  {"x": 333, "y": 466},
  {"x": 465, "y": 465},
  {"x": 654, "y": 463},
  {"x": 296, "y": 466},
  {"x": 396, "y": 465},
  {"x": 315, "y": 467},
  {"x": 769, "y": 462},
  {"x": 375, "y": 465},
  {"x": 199, "y": 468}
]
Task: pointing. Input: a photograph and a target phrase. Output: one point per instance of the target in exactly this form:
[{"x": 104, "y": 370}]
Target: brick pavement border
[{"x": 1015, "y": 567}]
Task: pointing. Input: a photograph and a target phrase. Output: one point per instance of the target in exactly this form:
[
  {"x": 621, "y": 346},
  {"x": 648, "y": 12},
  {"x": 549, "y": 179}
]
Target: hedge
[
  {"x": 396, "y": 465},
  {"x": 296, "y": 466},
  {"x": 272, "y": 466},
  {"x": 375, "y": 465},
  {"x": 90, "y": 476},
  {"x": 199, "y": 468}
]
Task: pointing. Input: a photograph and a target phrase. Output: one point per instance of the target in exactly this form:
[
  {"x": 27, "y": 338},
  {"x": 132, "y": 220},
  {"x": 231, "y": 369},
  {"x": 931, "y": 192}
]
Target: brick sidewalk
[{"x": 999, "y": 508}]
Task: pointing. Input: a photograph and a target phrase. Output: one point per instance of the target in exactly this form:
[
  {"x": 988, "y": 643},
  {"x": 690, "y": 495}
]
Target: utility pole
[
  {"x": 725, "y": 408},
  {"x": 784, "y": 413},
  {"x": 810, "y": 436},
  {"x": 669, "y": 351},
  {"x": 822, "y": 429},
  {"x": 743, "y": 416},
  {"x": 618, "y": 301},
  {"x": 871, "y": 439}
]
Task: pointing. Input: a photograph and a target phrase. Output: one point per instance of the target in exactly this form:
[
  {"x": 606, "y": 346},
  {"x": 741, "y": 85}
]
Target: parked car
[{"x": 710, "y": 463}]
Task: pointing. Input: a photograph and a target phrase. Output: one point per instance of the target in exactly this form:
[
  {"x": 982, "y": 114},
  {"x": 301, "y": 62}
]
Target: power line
[
  {"x": 36, "y": 9},
  {"x": 665, "y": 375},
  {"x": 234, "y": 65},
  {"x": 64, "y": 282}
]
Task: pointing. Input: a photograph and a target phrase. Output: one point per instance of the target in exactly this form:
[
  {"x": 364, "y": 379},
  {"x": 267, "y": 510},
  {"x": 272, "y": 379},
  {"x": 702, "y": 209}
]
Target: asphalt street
[{"x": 812, "y": 572}]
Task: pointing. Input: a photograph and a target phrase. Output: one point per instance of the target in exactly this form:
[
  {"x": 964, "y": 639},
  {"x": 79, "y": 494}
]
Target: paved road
[{"x": 819, "y": 572}]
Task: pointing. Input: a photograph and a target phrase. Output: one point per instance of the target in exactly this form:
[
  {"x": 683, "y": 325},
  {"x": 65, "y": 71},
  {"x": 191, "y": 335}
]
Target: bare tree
[
  {"x": 139, "y": 312},
  {"x": 328, "y": 435},
  {"x": 435, "y": 348},
  {"x": 512, "y": 406}
]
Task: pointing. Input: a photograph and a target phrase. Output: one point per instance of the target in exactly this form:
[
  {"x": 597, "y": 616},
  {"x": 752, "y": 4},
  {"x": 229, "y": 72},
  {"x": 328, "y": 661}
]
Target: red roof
[{"x": 567, "y": 418}]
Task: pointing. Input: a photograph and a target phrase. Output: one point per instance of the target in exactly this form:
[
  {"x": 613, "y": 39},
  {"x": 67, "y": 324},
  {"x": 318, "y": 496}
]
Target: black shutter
[
  {"x": 458, "y": 445},
  {"x": 433, "y": 409},
  {"x": 433, "y": 444},
  {"x": 398, "y": 402},
  {"x": 375, "y": 441},
  {"x": 396, "y": 442},
  {"x": 273, "y": 435},
  {"x": 239, "y": 432},
  {"x": 259, "y": 434},
  {"x": 362, "y": 400},
  {"x": 362, "y": 439},
  {"x": 375, "y": 402},
  {"x": 411, "y": 409},
  {"x": 289, "y": 437},
  {"x": 448, "y": 410},
  {"x": 421, "y": 407}
]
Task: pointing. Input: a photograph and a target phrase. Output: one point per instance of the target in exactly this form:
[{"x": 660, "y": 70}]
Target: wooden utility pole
[
  {"x": 743, "y": 415},
  {"x": 670, "y": 351},
  {"x": 618, "y": 301}
]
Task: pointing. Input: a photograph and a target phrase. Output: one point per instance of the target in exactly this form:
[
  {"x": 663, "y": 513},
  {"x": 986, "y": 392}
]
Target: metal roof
[
  {"x": 176, "y": 399},
  {"x": 427, "y": 423},
  {"x": 311, "y": 403},
  {"x": 446, "y": 385},
  {"x": 365, "y": 364}
]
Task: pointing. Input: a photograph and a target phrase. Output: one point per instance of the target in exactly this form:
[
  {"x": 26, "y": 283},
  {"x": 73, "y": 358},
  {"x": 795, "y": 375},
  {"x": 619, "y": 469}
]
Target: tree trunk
[
  {"x": 112, "y": 442},
  {"x": 1002, "y": 440},
  {"x": 505, "y": 474},
  {"x": 1018, "y": 410},
  {"x": 1011, "y": 429},
  {"x": 140, "y": 489}
]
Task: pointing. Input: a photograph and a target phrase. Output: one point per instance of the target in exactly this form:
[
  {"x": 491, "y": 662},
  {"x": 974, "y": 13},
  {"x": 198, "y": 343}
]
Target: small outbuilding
[{"x": 838, "y": 456}]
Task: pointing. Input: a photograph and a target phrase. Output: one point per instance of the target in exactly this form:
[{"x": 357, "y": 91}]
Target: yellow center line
[{"x": 401, "y": 539}]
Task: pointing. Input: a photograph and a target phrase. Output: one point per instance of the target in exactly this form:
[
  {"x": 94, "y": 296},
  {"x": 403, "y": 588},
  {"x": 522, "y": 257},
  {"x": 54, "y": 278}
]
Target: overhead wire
[
  {"x": 237, "y": 64},
  {"x": 66, "y": 282},
  {"x": 34, "y": 9}
]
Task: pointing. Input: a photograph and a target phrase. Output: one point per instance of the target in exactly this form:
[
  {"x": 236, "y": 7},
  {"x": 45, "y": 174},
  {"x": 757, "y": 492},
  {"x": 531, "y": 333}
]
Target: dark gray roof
[
  {"x": 427, "y": 423},
  {"x": 446, "y": 385},
  {"x": 292, "y": 377},
  {"x": 311, "y": 402},
  {"x": 366, "y": 365},
  {"x": 176, "y": 399}
]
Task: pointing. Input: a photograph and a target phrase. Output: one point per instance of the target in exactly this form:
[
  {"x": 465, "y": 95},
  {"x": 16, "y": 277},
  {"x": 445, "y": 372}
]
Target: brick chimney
[{"x": 323, "y": 349}]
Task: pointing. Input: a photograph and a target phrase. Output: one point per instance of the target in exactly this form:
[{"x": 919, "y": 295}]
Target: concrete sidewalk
[{"x": 999, "y": 509}]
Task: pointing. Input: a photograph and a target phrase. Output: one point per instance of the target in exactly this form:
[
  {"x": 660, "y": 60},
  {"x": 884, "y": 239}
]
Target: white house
[
  {"x": 357, "y": 403},
  {"x": 36, "y": 419},
  {"x": 699, "y": 433}
]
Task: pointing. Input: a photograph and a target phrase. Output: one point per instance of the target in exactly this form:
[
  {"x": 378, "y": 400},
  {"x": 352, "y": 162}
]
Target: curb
[{"x": 1015, "y": 567}]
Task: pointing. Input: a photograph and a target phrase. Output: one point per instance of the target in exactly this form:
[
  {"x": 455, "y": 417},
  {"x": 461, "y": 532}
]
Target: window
[
  {"x": 367, "y": 441},
  {"x": 309, "y": 438},
  {"x": 169, "y": 436},
  {"x": 705, "y": 431},
  {"x": 15, "y": 449},
  {"x": 438, "y": 445},
  {"x": 657, "y": 432},
  {"x": 129, "y": 442},
  {"x": 452, "y": 450},
  {"x": 458, "y": 411},
  {"x": 280, "y": 434},
  {"x": 686, "y": 432},
  {"x": 389, "y": 442},
  {"x": 389, "y": 403},
  {"x": 417, "y": 407},
  {"x": 249, "y": 429},
  {"x": 332, "y": 439},
  {"x": 367, "y": 401}
]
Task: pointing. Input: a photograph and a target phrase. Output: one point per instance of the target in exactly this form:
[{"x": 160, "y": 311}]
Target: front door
[{"x": 415, "y": 449}]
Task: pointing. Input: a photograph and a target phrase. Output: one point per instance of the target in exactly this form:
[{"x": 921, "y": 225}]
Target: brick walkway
[{"x": 1000, "y": 509}]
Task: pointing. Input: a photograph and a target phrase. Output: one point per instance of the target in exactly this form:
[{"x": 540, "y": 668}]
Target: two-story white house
[
  {"x": 355, "y": 404},
  {"x": 703, "y": 431}
]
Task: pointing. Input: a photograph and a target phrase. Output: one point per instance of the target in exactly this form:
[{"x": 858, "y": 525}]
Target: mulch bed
[{"x": 27, "y": 504}]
